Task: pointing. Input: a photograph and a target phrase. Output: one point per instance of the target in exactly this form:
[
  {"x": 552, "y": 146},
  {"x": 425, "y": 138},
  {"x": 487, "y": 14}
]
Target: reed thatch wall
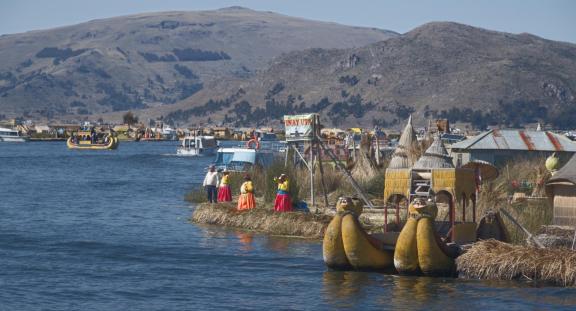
[
  {"x": 492, "y": 259},
  {"x": 263, "y": 220},
  {"x": 564, "y": 205}
]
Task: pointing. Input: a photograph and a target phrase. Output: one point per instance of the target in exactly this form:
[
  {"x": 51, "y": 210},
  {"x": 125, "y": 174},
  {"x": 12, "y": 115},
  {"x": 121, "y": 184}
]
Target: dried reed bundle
[
  {"x": 263, "y": 220},
  {"x": 492, "y": 259}
]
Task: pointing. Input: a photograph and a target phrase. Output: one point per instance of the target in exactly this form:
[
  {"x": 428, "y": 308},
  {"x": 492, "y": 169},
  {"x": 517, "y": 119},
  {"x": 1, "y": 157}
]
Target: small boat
[
  {"x": 198, "y": 146},
  {"x": 10, "y": 135},
  {"x": 87, "y": 139},
  {"x": 242, "y": 159}
]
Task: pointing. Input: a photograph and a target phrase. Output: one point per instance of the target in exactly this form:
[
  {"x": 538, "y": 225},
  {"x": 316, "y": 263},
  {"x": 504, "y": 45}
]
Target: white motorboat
[
  {"x": 10, "y": 135},
  {"x": 198, "y": 146}
]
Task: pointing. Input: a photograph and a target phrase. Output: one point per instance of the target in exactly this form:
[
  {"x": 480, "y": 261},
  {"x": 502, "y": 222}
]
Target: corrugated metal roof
[{"x": 518, "y": 140}]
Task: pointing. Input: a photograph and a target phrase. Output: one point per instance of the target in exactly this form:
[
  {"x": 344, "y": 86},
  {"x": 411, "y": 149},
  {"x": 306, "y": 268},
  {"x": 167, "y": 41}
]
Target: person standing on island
[
  {"x": 283, "y": 202},
  {"x": 210, "y": 183},
  {"x": 246, "y": 200},
  {"x": 224, "y": 192}
]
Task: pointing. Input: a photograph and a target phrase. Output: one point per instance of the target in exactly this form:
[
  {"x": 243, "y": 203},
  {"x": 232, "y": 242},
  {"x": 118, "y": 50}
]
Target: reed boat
[
  {"x": 426, "y": 189},
  {"x": 346, "y": 244},
  {"x": 87, "y": 139}
]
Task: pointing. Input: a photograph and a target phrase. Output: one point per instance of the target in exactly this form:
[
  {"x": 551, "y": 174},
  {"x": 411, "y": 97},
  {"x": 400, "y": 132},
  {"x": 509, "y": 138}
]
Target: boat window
[
  {"x": 208, "y": 143},
  {"x": 224, "y": 157}
]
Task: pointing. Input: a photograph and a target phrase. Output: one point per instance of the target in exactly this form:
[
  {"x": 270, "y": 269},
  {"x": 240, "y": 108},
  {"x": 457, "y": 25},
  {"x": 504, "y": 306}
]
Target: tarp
[{"x": 249, "y": 157}]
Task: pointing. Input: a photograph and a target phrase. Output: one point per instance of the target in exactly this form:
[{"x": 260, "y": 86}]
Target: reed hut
[
  {"x": 404, "y": 156},
  {"x": 561, "y": 189}
]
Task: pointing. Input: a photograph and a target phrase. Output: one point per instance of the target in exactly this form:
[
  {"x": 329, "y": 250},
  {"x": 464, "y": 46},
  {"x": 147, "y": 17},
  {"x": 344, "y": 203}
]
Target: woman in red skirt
[
  {"x": 224, "y": 192},
  {"x": 283, "y": 202}
]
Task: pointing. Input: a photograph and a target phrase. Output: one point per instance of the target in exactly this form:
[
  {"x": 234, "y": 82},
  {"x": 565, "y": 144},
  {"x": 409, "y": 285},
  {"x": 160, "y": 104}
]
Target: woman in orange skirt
[
  {"x": 224, "y": 192},
  {"x": 246, "y": 200}
]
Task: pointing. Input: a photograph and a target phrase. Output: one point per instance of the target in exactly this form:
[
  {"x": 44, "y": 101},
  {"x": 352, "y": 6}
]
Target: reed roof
[
  {"x": 566, "y": 173},
  {"x": 435, "y": 156},
  {"x": 403, "y": 156}
]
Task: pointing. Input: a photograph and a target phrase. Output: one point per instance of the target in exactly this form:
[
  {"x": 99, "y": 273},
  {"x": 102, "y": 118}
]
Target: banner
[{"x": 300, "y": 127}]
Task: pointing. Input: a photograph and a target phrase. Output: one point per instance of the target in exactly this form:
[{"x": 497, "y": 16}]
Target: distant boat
[
  {"x": 87, "y": 140},
  {"x": 10, "y": 135},
  {"x": 198, "y": 146}
]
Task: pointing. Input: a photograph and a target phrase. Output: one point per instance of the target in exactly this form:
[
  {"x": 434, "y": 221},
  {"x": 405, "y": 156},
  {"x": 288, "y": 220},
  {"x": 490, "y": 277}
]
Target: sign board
[{"x": 300, "y": 127}]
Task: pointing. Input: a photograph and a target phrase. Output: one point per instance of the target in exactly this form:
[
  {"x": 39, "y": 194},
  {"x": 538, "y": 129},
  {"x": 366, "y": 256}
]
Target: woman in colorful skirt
[
  {"x": 283, "y": 202},
  {"x": 224, "y": 192},
  {"x": 246, "y": 200}
]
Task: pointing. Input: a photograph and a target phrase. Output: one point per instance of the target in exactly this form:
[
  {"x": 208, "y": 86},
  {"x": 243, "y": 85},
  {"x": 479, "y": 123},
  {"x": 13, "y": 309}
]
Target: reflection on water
[
  {"x": 245, "y": 240},
  {"x": 344, "y": 288}
]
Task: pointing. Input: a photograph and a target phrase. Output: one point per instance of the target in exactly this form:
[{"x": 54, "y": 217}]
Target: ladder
[{"x": 346, "y": 173}]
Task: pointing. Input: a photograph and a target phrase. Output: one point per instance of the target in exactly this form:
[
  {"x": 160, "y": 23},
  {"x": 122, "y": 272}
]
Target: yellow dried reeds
[
  {"x": 493, "y": 259},
  {"x": 263, "y": 220}
]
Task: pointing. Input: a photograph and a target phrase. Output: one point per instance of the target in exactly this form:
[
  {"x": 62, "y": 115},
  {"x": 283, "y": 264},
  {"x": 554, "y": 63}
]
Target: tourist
[
  {"x": 246, "y": 200},
  {"x": 210, "y": 183},
  {"x": 283, "y": 202},
  {"x": 224, "y": 192}
]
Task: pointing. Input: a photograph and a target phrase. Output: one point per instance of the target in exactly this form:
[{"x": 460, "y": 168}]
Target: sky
[{"x": 550, "y": 19}]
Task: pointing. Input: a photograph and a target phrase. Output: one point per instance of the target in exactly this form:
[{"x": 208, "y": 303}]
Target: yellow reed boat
[
  {"x": 88, "y": 140},
  {"x": 424, "y": 190}
]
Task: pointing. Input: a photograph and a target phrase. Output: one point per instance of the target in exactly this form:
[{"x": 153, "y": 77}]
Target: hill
[
  {"x": 440, "y": 69},
  {"x": 151, "y": 60}
]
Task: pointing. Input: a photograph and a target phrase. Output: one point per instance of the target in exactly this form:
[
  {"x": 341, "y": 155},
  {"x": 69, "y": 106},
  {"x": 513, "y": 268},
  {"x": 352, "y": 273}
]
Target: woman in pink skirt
[
  {"x": 283, "y": 202},
  {"x": 224, "y": 192}
]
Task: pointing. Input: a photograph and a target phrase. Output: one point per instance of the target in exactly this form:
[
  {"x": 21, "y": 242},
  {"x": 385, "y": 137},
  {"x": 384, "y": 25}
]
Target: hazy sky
[{"x": 551, "y": 19}]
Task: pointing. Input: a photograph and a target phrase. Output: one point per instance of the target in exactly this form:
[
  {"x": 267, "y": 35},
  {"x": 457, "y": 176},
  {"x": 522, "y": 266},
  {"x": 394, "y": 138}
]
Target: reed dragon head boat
[
  {"x": 434, "y": 196},
  {"x": 89, "y": 139}
]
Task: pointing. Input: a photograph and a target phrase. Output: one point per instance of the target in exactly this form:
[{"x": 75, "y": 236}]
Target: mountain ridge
[{"x": 150, "y": 59}]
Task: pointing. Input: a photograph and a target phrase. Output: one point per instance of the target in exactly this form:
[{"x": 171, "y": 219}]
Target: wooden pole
[
  {"x": 474, "y": 209},
  {"x": 452, "y": 218},
  {"x": 385, "y": 217},
  {"x": 287, "y": 150},
  {"x": 463, "y": 209},
  {"x": 530, "y": 236},
  {"x": 322, "y": 175},
  {"x": 311, "y": 167},
  {"x": 377, "y": 150}
]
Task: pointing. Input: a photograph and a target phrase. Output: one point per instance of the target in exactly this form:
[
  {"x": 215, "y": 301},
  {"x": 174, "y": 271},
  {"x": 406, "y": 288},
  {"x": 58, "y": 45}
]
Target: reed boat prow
[{"x": 347, "y": 245}]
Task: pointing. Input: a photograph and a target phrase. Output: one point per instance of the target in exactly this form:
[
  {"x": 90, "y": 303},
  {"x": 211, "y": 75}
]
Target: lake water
[{"x": 109, "y": 230}]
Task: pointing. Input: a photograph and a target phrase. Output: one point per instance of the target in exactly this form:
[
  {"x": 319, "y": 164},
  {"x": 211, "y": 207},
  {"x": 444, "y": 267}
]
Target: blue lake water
[{"x": 109, "y": 230}]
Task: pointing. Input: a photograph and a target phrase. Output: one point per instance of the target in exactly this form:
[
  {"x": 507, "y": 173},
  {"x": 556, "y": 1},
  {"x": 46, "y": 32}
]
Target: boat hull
[
  {"x": 17, "y": 139},
  {"x": 419, "y": 250},
  {"x": 347, "y": 246},
  {"x": 112, "y": 144},
  {"x": 333, "y": 247},
  {"x": 196, "y": 153},
  {"x": 361, "y": 253}
]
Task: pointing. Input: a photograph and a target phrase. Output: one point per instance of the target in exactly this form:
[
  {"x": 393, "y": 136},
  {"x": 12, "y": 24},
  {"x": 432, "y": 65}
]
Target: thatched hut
[
  {"x": 561, "y": 189},
  {"x": 404, "y": 156},
  {"x": 435, "y": 156}
]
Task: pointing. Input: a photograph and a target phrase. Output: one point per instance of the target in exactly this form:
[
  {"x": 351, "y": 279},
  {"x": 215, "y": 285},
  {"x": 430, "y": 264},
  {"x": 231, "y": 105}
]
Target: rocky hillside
[
  {"x": 151, "y": 60},
  {"x": 437, "y": 70}
]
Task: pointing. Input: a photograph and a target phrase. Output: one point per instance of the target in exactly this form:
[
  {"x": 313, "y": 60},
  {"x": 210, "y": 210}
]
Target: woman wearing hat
[
  {"x": 246, "y": 200},
  {"x": 224, "y": 192},
  {"x": 210, "y": 183},
  {"x": 283, "y": 202}
]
